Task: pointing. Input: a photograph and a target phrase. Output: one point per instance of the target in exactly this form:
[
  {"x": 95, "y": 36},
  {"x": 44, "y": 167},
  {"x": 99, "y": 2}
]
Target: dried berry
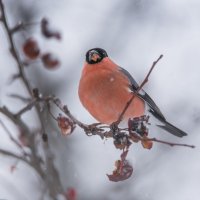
[
  {"x": 31, "y": 49},
  {"x": 71, "y": 194},
  {"x": 47, "y": 32},
  {"x": 134, "y": 137},
  {"x": 65, "y": 124},
  {"x": 123, "y": 169},
  {"x": 49, "y": 61},
  {"x": 146, "y": 143},
  {"x": 122, "y": 172}
]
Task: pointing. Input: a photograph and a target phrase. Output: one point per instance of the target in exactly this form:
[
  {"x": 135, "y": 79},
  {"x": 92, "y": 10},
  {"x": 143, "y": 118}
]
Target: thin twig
[
  {"x": 21, "y": 26},
  {"x": 26, "y": 108},
  {"x": 17, "y": 121},
  {"x": 11, "y": 154},
  {"x": 172, "y": 144},
  {"x": 12, "y": 138},
  {"x": 13, "y": 78},
  {"x": 137, "y": 91},
  {"x": 99, "y": 129},
  {"x": 23, "y": 99},
  {"x": 169, "y": 143},
  {"x": 92, "y": 129},
  {"x": 49, "y": 110},
  {"x": 65, "y": 109},
  {"x": 14, "y": 50}
]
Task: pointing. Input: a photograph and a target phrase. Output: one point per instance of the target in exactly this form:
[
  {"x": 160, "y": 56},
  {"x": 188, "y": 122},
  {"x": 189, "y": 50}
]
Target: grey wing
[
  {"x": 143, "y": 95},
  {"x": 153, "y": 108}
]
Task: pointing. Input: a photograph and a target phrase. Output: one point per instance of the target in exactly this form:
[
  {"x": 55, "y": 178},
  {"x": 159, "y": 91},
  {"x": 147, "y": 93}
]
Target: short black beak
[{"x": 91, "y": 53}]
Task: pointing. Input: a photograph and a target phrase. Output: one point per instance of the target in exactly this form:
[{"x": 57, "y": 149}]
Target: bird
[{"x": 105, "y": 88}]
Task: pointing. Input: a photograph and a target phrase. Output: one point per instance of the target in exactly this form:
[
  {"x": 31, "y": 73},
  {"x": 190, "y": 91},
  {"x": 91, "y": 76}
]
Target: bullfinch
[{"x": 105, "y": 88}]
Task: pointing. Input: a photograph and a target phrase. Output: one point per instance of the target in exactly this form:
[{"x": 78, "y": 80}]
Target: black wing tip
[
  {"x": 157, "y": 114},
  {"x": 173, "y": 130},
  {"x": 153, "y": 107}
]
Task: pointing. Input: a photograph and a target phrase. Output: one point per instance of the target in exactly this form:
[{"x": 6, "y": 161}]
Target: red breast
[{"x": 104, "y": 92}]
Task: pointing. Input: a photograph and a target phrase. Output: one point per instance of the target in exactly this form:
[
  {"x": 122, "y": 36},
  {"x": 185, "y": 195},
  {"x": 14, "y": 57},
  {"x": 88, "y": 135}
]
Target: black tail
[
  {"x": 172, "y": 129},
  {"x": 155, "y": 111},
  {"x": 167, "y": 126}
]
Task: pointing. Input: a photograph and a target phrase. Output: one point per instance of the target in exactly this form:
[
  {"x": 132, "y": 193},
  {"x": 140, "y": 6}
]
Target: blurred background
[{"x": 134, "y": 33}]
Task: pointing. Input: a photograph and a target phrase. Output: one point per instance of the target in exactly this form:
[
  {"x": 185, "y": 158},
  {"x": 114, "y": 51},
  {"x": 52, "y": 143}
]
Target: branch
[
  {"x": 54, "y": 191},
  {"x": 12, "y": 138},
  {"x": 13, "y": 49},
  {"x": 65, "y": 109},
  {"x": 27, "y": 108},
  {"x": 15, "y": 54},
  {"x": 137, "y": 91},
  {"x": 169, "y": 143},
  {"x": 10, "y": 154},
  {"x": 17, "y": 121},
  {"x": 101, "y": 130},
  {"x": 21, "y": 26},
  {"x": 23, "y": 99},
  {"x": 93, "y": 129},
  {"x": 105, "y": 130}
]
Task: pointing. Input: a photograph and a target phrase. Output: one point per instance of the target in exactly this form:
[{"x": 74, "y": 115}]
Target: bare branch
[
  {"x": 13, "y": 78},
  {"x": 23, "y": 99},
  {"x": 12, "y": 138},
  {"x": 13, "y": 155},
  {"x": 137, "y": 91},
  {"x": 17, "y": 121},
  {"x": 105, "y": 130},
  {"x": 65, "y": 109},
  {"x": 13, "y": 49},
  {"x": 26, "y": 108},
  {"x": 21, "y": 26},
  {"x": 35, "y": 158},
  {"x": 170, "y": 143},
  {"x": 93, "y": 129}
]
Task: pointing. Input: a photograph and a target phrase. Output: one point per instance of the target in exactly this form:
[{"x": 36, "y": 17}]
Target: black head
[{"x": 95, "y": 55}]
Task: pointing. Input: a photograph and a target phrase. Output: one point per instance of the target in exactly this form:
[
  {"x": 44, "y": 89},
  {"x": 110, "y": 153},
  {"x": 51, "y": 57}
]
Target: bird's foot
[{"x": 114, "y": 129}]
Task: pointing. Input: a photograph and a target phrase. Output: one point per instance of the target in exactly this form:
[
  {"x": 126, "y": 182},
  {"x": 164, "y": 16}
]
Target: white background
[{"x": 134, "y": 33}]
